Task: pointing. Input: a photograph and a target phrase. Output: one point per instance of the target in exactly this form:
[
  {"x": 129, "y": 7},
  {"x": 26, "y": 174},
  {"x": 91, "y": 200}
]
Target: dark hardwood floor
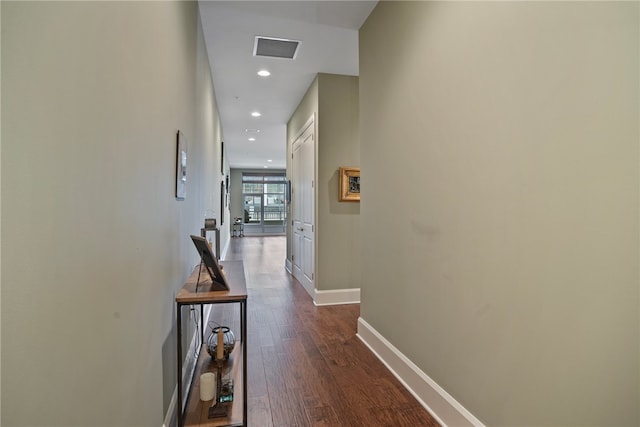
[{"x": 306, "y": 366}]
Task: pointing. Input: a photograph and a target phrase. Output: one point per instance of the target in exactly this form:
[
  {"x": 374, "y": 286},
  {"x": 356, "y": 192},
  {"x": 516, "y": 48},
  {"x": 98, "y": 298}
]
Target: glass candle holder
[{"x": 212, "y": 342}]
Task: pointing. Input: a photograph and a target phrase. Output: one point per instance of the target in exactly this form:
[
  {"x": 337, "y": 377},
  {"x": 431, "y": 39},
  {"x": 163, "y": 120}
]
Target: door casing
[{"x": 303, "y": 200}]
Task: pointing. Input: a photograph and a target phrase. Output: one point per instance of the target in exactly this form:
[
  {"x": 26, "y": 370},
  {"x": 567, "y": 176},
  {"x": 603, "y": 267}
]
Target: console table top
[{"x": 233, "y": 271}]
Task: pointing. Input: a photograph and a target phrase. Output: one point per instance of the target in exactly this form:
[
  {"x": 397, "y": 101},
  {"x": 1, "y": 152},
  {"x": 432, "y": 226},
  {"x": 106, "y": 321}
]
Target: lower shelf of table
[{"x": 197, "y": 411}]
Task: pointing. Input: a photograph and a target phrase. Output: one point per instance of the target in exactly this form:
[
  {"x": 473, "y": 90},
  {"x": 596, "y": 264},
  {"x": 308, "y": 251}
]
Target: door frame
[
  {"x": 309, "y": 124},
  {"x": 262, "y": 227}
]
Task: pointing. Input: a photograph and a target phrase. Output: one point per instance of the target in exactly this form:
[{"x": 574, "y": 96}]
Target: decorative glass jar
[{"x": 212, "y": 342}]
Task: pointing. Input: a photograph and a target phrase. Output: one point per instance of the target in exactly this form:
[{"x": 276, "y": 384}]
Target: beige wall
[
  {"x": 500, "y": 203},
  {"x": 334, "y": 101},
  {"x": 94, "y": 245},
  {"x": 338, "y": 223},
  {"x": 235, "y": 204}
]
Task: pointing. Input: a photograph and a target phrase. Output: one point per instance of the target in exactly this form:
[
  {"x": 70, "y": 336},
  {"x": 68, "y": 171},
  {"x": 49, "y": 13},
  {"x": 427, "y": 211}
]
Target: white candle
[{"x": 207, "y": 386}]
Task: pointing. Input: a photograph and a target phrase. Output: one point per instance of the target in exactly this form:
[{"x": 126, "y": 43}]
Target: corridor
[{"x": 306, "y": 365}]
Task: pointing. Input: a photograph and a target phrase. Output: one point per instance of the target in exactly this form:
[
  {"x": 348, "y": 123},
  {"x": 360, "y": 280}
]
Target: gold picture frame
[{"x": 349, "y": 184}]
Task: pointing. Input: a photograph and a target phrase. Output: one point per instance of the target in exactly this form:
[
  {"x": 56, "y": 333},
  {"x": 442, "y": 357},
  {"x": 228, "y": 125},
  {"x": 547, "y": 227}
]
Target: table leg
[
  {"x": 243, "y": 328},
  {"x": 201, "y": 327},
  {"x": 179, "y": 375}
]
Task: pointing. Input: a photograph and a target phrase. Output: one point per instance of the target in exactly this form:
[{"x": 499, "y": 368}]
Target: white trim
[
  {"x": 444, "y": 408},
  {"x": 336, "y": 297},
  {"x": 311, "y": 120},
  {"x": 224, "y": 251},
  {"x": 307, "y": 288},
  {"x": 288, "y": 266},
  {"x": 171, "y": 410},
  {"x": 188, "y": 367}
]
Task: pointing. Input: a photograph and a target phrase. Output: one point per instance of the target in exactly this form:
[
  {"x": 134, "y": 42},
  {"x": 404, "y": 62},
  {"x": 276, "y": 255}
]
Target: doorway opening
[{"x": 263, "y": 201}]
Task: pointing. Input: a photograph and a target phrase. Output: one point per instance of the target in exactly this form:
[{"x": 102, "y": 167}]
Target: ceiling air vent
[{"x": 275, "y": 48}]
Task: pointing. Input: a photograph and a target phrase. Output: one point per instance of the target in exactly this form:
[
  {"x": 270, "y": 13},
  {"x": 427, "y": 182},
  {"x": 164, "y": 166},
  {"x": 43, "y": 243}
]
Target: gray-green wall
[
  {"x": 94, "y": 245},
  {"x": 334, "y": 100},
  {"x": 235, "y": 204},
  {"x": 500, "y": 148},
  {"x": 338, "y": 223}
]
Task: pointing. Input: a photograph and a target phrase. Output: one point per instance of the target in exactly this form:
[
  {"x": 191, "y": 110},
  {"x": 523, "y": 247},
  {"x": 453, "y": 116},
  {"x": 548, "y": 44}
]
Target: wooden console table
[{"x": 237, "y": 293}]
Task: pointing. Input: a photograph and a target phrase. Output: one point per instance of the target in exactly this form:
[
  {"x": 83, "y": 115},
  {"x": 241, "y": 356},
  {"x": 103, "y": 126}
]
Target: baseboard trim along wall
[
  {"x": 440, "y": 404},
  {"x": 223, "y": 254},
  {"x": 336, "y": 297},
  {"x": 188, "y": 367},
  {"x": 170, "y": 416},
  {"x": 287, "y": 266}
]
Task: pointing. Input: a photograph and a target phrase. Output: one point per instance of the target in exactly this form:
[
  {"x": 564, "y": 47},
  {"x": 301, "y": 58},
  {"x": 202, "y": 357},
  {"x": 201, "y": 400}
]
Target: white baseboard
[
  {"x": 440, "y": 404},
  {"x": 223, "y": 254},
  {"x": 171, "y": 410},
  {"x": 288, "y": 267},
  {"x": 336, "y": 297},
  {"x": 188, "y": 366},
  {"x": 308, "y": 287}
]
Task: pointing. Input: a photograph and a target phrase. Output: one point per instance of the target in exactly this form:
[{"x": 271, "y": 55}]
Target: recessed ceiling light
[
  {"x": 269, "y": 160},
  {"x": 252, "y": 139},
  {"x": 252, "y": 130},
  {"x": 264, "y": 73},
  {"x": 256, "y": 114},
  {"x": 266, "y": 167}
]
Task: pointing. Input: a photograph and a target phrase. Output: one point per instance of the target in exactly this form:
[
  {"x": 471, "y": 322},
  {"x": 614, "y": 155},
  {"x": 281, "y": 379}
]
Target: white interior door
[{"x": 303, "y": 163}]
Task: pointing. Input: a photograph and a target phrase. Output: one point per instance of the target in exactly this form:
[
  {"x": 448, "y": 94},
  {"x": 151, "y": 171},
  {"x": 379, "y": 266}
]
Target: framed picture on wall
[
  {"x": 287, "y": 191},
  {"x": 222, "y": 157},
  {"x": 181, "y": 167},
  {"x": 349, "y": 184},
  {"x": 222, "y": 202}
]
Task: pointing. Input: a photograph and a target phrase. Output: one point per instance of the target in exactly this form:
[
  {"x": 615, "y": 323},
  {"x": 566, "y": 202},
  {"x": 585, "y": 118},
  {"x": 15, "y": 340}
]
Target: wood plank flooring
[{"x": 306, "y": 366}]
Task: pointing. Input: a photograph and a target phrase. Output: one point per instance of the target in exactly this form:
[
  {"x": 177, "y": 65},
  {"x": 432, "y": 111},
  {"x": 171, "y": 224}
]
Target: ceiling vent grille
[{"x": 275, "y": 48}]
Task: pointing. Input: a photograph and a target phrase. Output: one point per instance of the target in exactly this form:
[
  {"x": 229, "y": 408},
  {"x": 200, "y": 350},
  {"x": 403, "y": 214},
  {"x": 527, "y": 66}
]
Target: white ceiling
[{"x": 328, "y": 31}]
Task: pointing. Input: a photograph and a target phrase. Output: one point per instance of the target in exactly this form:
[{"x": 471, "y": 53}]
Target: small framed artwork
[
  {"x": 181, "y": 167},
  {"x": 349, "y": 184},
  {"x": 222, "y": 202},
  {"x": 287, "y": 191},
  {"x": 222, "y": 157}
]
